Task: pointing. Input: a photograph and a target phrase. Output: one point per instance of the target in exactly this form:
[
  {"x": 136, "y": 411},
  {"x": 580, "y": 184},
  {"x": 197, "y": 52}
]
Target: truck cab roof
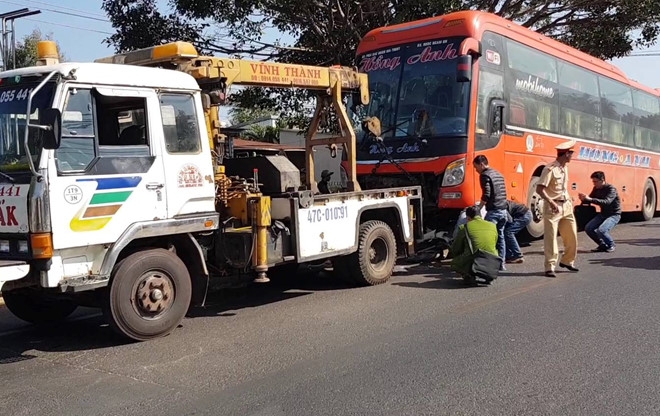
[{"x": 113, "y": 74}]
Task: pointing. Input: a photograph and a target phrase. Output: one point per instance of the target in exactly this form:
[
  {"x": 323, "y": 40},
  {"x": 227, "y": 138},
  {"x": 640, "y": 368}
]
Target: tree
[
  {"x": 266, "y": 134},
  {"x": 245, "y": 115},
  {"x": 327, "y": 32},
  {"x": 26, "y": 50}
]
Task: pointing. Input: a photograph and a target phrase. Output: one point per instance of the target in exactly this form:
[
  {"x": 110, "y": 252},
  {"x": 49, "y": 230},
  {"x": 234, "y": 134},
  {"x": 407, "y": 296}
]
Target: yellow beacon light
[
  {"x": 47, "y": 53},
  {"x": 169, "y": 52}
]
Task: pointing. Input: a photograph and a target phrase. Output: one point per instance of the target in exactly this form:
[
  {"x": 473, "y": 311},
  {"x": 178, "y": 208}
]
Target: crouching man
[{"x": 476, "y": 234}]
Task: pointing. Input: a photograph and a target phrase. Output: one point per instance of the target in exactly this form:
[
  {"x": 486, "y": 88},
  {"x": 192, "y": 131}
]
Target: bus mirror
[
  {"x": 496, "y": 117},
  {"x": 464, "y": 68},
  {"x": 50, "y": 123}
]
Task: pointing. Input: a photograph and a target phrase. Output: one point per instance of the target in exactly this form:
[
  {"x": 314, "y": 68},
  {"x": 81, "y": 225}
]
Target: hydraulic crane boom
[{"x": 216, "y": 74}]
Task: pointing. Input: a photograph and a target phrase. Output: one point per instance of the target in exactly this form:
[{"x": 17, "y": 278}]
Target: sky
[{"x": 81, "y": 26}]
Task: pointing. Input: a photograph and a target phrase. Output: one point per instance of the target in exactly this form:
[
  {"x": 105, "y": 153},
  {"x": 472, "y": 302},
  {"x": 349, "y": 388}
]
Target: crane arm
[
  {"x": 215, "y": 75},
  {"x": 210, "y": 69}
]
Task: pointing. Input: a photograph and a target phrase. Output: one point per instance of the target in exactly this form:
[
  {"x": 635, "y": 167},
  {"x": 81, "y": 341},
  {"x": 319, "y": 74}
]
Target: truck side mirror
[
  {"x": 50, "y": 120},
  {"x": 464, "y": 68}
]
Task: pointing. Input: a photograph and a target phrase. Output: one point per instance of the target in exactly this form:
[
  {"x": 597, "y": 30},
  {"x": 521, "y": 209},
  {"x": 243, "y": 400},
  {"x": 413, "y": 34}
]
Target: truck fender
[
  {"x": 190, "y": 252},
  {"x": 391, "y": 214}
]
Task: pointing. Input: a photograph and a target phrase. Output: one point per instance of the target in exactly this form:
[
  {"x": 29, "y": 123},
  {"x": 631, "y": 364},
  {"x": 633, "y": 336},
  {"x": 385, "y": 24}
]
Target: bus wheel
[
  {"x": 649, "y": 201},
  {"x": 149, "y": 294},
  {"x": 373, "y": 263},
  {"x": 35, "y": 307},
  {"x": 535, "y": 204}
]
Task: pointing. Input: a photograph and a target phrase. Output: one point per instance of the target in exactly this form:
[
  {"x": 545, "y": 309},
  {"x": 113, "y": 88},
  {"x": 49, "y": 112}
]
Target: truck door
[
  {"x": 186, "y": 155},
  {"x": 108, "y": 172}
]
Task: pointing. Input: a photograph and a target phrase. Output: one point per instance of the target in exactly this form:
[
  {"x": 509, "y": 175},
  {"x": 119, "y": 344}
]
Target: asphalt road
[{"x": 584, "y": 343}]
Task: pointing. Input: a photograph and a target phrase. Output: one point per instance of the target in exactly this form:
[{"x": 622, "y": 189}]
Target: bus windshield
[
  {"x": 13, "y": 109},
  {"x": 414, "y": 91}
]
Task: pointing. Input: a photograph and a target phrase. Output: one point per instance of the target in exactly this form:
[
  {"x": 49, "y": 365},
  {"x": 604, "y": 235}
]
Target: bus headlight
[{"x": 455, "y": 173}]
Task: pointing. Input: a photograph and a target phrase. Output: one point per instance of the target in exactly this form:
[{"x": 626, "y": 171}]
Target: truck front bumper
[{"x": 12, "y": 270}]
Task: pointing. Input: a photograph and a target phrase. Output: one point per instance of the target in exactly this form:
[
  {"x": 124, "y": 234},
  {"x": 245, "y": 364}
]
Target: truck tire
[
  {"x": 649, "y": 201},
  {"x": 34, "y": 307},
  {"x": 373, "y": 262},
  {"x": 149, "y": 294},
  {"x": 535, "y": 204}
]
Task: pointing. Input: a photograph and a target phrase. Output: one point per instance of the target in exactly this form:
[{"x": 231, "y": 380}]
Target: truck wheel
[
  {"x": 535, "y": 204},
  {"x": 149, "y": 294},
  {"x": 373, "y": 263},
  {"x": 650, "y": 201},
  {"x": 34, "y": 307}
]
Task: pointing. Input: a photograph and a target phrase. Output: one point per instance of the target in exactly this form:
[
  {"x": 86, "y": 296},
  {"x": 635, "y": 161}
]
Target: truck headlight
[
  {"x": 454, "y": 174},
  {"x": 4, "y": 246},
  {"x": 22, "y": 246}
]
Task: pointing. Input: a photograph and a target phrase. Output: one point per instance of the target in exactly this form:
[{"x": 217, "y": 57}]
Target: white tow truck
[{"x": 115, "y": 190}]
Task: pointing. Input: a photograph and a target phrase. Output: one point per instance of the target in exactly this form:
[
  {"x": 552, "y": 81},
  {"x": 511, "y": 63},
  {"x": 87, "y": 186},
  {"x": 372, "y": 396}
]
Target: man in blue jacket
[{"x": 606, "y": 197}]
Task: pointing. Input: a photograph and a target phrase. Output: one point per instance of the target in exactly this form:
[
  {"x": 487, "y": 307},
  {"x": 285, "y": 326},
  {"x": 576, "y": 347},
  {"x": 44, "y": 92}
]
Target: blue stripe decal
[{"x": 114, "y": 183}]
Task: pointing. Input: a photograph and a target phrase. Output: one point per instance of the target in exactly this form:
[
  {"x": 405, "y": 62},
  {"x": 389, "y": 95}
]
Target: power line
[
  {"x": 67, "y": 8},
  {"x": 70, "y": 27},
  {"x": 61, "y": 12}
]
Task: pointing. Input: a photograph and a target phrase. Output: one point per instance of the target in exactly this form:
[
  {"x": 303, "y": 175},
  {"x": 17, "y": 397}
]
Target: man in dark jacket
[
  {"x": 606, "y": 197},
  {"x": 493, "y": 196},
  {"x": 519, "y": 217},
  {"x": 324, "y": 182}
]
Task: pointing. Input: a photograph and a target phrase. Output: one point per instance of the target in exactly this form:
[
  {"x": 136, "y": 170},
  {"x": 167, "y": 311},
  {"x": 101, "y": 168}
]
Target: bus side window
[
  {"x": 491, "y": 86},
  {"x": 616, "y": 110}
]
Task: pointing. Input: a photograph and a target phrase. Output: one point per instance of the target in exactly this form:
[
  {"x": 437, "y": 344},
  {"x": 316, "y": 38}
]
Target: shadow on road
[
  {"x": 89, "y": 331},
  {"x": 227, "y": 302},
  {"x": 642, "y": 242},
  {"x": 649, "y": 263},
  {"x": 444, "y": 277}
]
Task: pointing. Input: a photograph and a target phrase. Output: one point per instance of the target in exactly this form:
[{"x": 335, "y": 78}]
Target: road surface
[{"x": 423, "y": 344}]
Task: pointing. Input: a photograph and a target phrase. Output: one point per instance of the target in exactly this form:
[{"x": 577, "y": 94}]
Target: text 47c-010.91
[{"x": 327, "y": 214}]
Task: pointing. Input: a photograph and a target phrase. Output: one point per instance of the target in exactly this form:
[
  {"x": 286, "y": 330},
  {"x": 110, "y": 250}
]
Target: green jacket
[{"x": 483, "y": 237}]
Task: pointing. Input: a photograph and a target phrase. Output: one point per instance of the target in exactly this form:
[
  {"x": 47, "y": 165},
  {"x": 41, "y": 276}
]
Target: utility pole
[{"x": 9, "y": 44}]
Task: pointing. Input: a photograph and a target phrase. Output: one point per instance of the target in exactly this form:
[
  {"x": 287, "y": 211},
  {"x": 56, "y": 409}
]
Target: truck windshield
[
  {"x": 13, "y": 108},
  {"x": 414, "y": 91}
]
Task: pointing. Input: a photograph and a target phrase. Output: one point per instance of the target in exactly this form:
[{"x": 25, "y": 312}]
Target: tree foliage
[
  {"x": 266, "y": 134},
  {"x": 244, "y": 115},
  {"x": 139, "y": 24},
  {"x": 326, "y": 32}
]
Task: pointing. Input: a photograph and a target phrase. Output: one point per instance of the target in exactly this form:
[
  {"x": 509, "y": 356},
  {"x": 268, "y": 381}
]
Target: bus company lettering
[
  {"x": 375, "y": 149},
  {"x": 428, "y": 55},
  {"x": 613, "y": 157},
  {"x": 375, "y": 63},
  {"x": 532, "y": 86}
]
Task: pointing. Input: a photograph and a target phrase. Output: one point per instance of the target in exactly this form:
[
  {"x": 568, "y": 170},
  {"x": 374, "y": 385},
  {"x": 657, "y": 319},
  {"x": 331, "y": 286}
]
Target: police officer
[{"x": 558, "y": 211}]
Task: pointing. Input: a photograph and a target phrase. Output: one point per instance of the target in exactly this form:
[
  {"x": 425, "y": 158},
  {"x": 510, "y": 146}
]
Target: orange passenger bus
[{"x": 450, "y": 87}]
